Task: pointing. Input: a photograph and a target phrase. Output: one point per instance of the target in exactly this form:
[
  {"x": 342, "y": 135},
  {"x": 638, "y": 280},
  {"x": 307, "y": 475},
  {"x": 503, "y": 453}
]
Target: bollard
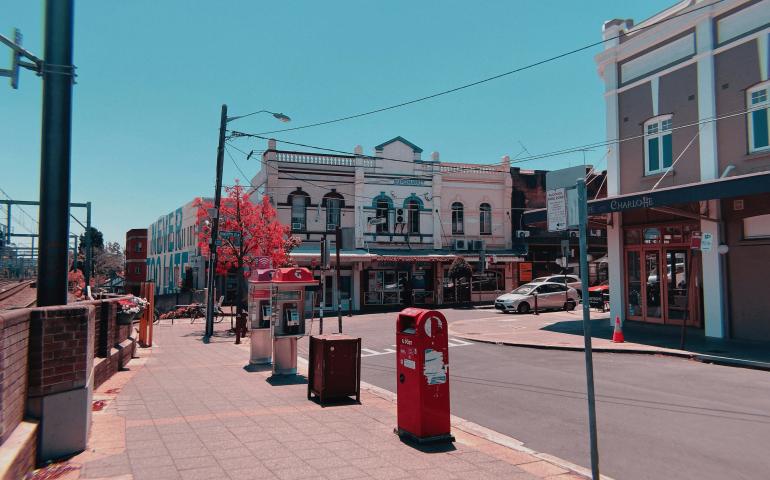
[{"x": 535, "y": 295}]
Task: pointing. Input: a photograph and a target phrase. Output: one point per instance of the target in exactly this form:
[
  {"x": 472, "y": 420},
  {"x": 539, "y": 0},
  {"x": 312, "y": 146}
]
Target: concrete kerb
[
  {"x": 698, "y": 357},
  {"x": 478, "y": 430}
]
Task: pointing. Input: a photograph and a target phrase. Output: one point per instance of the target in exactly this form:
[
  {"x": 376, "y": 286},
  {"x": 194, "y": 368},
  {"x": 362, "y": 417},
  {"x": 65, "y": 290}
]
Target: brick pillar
[{"x": 61, "y": 346}]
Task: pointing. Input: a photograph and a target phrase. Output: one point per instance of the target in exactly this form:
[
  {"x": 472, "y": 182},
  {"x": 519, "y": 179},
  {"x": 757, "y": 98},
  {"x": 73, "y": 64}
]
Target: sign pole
[{"x": 582, "y": 225}]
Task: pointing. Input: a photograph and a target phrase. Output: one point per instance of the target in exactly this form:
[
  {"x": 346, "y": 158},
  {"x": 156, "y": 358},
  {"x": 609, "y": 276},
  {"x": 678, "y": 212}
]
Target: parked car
[
  {"x": 550, "y": 296},
  {"x": 571, "y": 280},
  {"x": 599, "y": 295}
]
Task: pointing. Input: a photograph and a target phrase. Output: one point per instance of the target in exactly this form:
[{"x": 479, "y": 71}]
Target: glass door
[
  {"x": 634, "y": 283},
  {"x": 652, "y": 291},
  {"x": 676, "y": 285}
]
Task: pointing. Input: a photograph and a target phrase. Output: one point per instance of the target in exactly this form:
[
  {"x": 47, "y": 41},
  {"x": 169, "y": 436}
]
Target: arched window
[
  {"x": 485, "y": 219},
  {"x": 298, "y": 201},
  {"x": 458, "y": 227},
  {"x": 383, "y": 206},
  {"x": 333, "y": 202},
  {"x": 413, "y": 216}
]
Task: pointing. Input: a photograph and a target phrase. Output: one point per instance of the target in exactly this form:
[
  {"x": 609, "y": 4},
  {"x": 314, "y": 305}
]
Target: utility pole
[
  {"x": 209, "y": 331},
  {"x": 88, "y": 247},
  {"x": 338, "y": 242},
  {"x": 58, "y": 77}
]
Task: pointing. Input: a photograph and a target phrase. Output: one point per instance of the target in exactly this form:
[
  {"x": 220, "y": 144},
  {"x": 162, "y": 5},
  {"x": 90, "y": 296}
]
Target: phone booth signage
[
  {"x": 260, "y": 344},
  {"x": 422, "y": 369}
]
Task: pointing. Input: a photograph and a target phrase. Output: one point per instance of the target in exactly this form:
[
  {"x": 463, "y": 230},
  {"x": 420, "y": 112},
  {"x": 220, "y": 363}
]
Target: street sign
[
  {"x": 556, "y": 202},
  {"x": 706, "y": 242},
  {"x": 572, "y": 208},
  {"x": 377, "y": 220}
]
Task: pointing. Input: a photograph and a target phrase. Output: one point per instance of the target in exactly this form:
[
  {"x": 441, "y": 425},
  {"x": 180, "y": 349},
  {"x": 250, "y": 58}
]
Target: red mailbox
[{"x": 422, "y": 369}]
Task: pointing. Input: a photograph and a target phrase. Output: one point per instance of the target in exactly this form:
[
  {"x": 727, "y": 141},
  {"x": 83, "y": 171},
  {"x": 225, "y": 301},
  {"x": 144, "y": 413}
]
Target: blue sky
[{"x": 152, "y": 76}]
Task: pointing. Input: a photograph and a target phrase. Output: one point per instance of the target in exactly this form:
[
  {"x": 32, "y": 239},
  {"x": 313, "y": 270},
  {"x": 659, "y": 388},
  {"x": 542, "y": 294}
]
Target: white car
[
  {"x": 571, "y": 280},
  {"x": 550, "y": 296}
]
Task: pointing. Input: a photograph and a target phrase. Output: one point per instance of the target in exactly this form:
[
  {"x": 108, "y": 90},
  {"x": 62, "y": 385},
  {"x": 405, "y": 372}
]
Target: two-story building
[
  {"x": 404, "y": 219},
  {"x": 687, "y": 102}
]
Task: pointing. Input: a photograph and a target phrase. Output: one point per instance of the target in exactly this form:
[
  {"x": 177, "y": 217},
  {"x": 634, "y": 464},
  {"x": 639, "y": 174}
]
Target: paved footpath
[{"x": 186, "y": 410}]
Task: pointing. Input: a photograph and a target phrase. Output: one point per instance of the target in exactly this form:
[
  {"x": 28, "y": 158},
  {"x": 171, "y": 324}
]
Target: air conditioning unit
[
  {"x": 296, "y": 227},
  {"x": 460, "y": 244},
  {"x": 330, "y": 227},
  {"x": 574, "y": 234},
  {"x": 522, "y": 233},
  {"x": 478, "y": 245},
  {"x": 596, "y": 233},
  {"x": 400, "y": 216}
]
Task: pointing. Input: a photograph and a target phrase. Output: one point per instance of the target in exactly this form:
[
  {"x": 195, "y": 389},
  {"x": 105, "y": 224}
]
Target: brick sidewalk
[{"x": 191, "y": 411}]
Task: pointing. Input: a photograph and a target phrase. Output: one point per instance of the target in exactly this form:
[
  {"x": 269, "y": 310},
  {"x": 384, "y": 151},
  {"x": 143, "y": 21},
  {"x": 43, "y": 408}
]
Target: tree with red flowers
[{"x": 247, "y": 231}]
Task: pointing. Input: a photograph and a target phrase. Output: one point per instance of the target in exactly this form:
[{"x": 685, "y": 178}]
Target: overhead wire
[{"x": 493, "y": 77}]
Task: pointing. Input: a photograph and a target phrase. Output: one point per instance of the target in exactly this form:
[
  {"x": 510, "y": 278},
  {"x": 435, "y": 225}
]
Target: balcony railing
[{"x": 320, "y": 159}]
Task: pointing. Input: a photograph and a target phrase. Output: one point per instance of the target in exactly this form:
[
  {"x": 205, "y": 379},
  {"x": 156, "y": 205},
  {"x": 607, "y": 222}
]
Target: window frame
[
  {"x": 485, "y": 219},
  {"x": 458, "y": 218},
  {"x": 658, "y": 134},
  {"x": 333, "y": 205},
  {"x": 412, "y": 208},
  {"x": 382, "y": 206},
  {"x": 305, "y": 200},
  {"x": 750, "y": 114}
]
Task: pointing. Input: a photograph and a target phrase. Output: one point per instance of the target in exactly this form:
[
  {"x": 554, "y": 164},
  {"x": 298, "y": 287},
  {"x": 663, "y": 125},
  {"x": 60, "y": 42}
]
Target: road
[{"x": 658, "y": 417}]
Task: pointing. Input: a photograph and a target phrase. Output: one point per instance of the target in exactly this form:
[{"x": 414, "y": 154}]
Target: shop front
[
  {"x": 661, "y": 273},
  {"x": 391, "y": 281}
]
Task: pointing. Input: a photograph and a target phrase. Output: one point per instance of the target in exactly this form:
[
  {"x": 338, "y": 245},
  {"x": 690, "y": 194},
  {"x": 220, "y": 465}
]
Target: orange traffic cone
[{"x": 617, "y": 335}]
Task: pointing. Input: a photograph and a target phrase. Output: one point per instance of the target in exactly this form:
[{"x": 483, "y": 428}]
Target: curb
[
  {"x": 698, "y": 357},
  {"x": 477, "y": 430}
]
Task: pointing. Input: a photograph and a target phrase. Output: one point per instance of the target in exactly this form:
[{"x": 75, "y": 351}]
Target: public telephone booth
[
  {"x": 261, "y": 345},
  {"x": 279, "y": 314}
]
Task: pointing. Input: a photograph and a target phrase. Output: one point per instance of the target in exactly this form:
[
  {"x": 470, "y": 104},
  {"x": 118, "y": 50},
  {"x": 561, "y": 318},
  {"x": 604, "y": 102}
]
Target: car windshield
[{"x": 524, "y": 289}]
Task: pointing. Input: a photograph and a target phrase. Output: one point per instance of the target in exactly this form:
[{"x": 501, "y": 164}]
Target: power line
[
  {"x": 489, "y": 79},
  {"x": 245, "y": 178}
]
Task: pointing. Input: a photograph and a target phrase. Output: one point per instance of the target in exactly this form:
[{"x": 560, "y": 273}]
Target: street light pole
[
  {"x": 224, "y": 119},
  {"x": 209, "y": 331}
]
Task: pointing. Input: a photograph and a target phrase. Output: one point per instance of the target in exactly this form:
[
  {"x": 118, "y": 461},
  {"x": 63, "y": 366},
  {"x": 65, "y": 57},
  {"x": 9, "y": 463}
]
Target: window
[
  {"x": 383, "y": 211},
  {"x": 485, "y": 219},
  {"x": 657, "y": 144},
  {"x": 756, "y": 227},
  {"x": 413, "y": 216},
  {"x": 137, "y": 270},
  {"x": 457, "y": 219},
  {"x": 298, "y": 212},
  {"x": 333, "y": 204},
  {"x": 759, "y": 111},
  {"x": 138, "y": 248}
]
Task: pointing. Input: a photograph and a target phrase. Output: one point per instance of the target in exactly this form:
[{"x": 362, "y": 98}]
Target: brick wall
[
  {"x": 14, "y": 343},
  {"x": 59, "y": 338}
]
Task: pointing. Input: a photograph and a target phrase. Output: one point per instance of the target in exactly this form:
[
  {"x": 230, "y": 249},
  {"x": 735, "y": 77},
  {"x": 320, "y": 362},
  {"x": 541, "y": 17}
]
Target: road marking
[{"x": 368, "y": 352}]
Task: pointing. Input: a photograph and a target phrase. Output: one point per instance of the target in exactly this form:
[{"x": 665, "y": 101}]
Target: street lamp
[{"x": 214, "y": 214}]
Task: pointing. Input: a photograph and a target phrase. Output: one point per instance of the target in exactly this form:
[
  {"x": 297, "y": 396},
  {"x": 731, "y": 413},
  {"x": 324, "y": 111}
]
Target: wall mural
[{"x": 166, "y": 260}]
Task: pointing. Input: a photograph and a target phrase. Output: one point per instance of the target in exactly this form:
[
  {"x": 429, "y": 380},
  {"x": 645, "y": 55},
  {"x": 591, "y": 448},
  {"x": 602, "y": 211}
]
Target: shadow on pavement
[
  {"x": 442, "y": 447},
  {"x": 335, "y": 402},
  {"x": 669, "y": 336},
  {"x": 251, "y": 368},
  {"x": 280, "y": 380}
]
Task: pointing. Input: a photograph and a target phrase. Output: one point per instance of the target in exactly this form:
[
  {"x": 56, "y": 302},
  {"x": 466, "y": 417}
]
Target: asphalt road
[{"x": 658, "y": 417}]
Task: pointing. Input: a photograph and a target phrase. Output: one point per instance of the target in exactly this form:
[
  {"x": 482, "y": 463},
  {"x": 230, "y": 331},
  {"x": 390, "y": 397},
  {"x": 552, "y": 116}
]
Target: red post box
[{"x": 422, "y": 369}]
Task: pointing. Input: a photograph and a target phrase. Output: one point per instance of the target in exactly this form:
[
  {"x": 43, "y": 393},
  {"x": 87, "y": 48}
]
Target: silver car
[
  {"x": 550, "y": 296},
  {"x": 571, "y": 280}
]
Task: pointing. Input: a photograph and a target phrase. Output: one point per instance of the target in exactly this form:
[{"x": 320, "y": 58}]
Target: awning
[{"x": 738, "y": 186}]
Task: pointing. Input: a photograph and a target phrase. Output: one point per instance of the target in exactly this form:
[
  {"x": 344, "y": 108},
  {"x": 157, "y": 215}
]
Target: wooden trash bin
[{"x": 335, "y": 367}]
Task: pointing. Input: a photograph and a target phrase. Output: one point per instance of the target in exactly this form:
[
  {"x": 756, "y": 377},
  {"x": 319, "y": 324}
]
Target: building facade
[
  {"x": 403, "y": 218},
  {"x": 136, "y": 259},
  {"x": 173, "y": 260},
  {"x": 688, "y": 95}
]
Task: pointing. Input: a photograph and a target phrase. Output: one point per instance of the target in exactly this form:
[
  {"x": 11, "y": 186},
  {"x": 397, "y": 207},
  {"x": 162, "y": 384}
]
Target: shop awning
[{"x": 730, "y": 187}]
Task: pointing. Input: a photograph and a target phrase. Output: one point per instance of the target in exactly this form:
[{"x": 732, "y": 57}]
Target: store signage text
[{"x": 643, "y": 202}]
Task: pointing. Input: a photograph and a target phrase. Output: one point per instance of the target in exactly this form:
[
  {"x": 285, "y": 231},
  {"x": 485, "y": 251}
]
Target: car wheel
[
  {"x": 523, "y": 308},
  {"x": 569, "y": 305}
]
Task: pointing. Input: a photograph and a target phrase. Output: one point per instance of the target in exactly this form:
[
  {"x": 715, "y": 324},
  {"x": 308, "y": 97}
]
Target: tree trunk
[{"x": 240, "y": 319}]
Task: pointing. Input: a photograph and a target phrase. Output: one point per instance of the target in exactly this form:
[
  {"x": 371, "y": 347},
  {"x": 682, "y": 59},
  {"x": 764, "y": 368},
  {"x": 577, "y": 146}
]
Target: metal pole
[
  {"x": 89, "y": 267},
  {"x": 323, "y": 302},
  {"x": 209, "y": 331},
  {"x": 338, "y": 241},
  {"x": 8, "y": 225},
  {"x": 58, "y": 76},
  {"x": 74, "y": 252},
  {"x": 583, "y": 223}
]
